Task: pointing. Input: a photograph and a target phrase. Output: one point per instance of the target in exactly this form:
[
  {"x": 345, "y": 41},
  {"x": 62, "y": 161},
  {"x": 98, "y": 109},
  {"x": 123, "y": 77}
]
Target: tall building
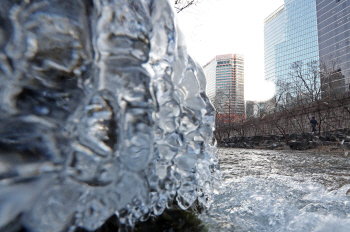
[
  {"x": 333, "y": 23},
  {"x": 210, "y": 75},
  {"x": 225, "y": 83},
  {"x": 290, "y": 38},
  {"x": 274, "y": 34}
]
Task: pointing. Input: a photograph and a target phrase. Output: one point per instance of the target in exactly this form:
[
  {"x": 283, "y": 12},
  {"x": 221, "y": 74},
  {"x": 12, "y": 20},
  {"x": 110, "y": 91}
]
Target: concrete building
[
  {"x": 225, "y": 83},
  {"x": 333, "y": 24}
]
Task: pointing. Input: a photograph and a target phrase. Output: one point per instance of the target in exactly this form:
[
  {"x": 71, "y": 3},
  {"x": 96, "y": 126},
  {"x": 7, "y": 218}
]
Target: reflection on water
[{"x": 281, "y": 191}]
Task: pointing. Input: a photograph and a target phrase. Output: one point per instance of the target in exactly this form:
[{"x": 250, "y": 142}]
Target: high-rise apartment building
[
  {"x": 225, "y": 83},
  {"x": 290, "y": 38},
  {"x": 333, "y": 22}
]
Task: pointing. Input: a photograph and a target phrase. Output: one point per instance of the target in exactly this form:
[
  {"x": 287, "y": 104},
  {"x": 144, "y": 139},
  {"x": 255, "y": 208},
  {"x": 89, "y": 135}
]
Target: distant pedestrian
[{"x": 314, "y": 123}]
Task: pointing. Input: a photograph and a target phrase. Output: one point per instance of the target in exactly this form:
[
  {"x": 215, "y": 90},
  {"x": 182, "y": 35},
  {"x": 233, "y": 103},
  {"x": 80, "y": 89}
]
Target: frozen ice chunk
[{"x": 102, "y": 112}]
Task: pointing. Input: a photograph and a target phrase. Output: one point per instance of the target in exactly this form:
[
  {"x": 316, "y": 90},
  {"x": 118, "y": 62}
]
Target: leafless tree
[
  {"x": 180, "y": 5},
  {"x": 300, "y": 97},
  {"x": 226, "y": 116}
]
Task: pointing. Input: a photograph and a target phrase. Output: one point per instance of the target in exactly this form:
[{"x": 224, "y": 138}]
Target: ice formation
[{"x": 102, "y": 112}]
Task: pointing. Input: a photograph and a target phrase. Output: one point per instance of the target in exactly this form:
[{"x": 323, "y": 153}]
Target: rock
[
  {"x": 333, "y": 138},
  {"x": 233, "y": 139},
  {"x": 308, "y": 136},
  {"x": 297, "y": 145},
  {"x": 323, "y": 138},
  {"x": 257, "y": 138},
  {"x": 232, "y": 145},
  {"x": 340, "y": 136},
  {"x": 313, "y": 144},
  {"x": 347, "y": 138},
  {"x": 274, "y": 146},
  {"x": 280, "y": 138},
  {"x": 346, "y": 145},
  {"x": 326, "y": 143},
  {"x": 326, "y": 133}
]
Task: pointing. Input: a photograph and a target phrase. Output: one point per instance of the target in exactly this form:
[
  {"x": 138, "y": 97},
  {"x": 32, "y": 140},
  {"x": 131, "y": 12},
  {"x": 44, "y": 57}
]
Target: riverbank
[{"x": 330, "y": 141}]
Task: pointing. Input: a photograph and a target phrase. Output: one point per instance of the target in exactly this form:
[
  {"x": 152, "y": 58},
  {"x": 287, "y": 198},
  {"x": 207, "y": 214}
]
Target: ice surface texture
[{"x": 102, "y": 113}]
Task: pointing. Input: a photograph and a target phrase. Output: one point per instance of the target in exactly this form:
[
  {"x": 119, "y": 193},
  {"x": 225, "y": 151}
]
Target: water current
[{"x": 281, "y": 191}]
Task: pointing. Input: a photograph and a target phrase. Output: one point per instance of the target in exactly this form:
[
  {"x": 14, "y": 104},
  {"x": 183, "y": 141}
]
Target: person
[{"x": 313, "y": 122}]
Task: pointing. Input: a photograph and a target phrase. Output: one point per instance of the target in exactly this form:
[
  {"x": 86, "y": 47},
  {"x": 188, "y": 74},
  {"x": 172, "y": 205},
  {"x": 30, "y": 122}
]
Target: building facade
[
  {"x": 333, "y": 24},
  {"x": 225, "y": 83},
  {"x": 210, "y": 75},
  {"x": 274, "y": 34},
  {"x": 291, "y": 45}
]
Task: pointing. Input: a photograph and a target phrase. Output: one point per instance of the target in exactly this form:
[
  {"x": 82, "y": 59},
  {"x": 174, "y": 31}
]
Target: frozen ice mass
[{"x": 102, "y": 112}]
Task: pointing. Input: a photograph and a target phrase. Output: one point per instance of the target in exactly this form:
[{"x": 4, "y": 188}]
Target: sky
[{"x": 215, "y": 27}]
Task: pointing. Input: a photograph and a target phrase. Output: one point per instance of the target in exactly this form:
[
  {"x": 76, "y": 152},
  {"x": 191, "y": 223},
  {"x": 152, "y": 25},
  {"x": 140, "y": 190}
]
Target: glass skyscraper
[
  {"x": 274, "y": 34},
  {"x": 333, "y": 22},
  {"x": 290, "y": 36},
  {"x": 225, "y": 83}
]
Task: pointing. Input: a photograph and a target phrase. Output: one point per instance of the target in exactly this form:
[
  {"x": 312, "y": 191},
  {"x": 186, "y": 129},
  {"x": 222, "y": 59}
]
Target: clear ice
[{"x": 102, "y": 112}]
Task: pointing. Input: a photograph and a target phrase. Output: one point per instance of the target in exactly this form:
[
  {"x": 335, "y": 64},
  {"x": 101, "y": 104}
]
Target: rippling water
[{"x": 281, "y": 191}]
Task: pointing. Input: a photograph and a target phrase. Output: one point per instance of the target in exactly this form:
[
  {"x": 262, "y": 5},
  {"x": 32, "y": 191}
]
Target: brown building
[{"x": 225, "y": 83}]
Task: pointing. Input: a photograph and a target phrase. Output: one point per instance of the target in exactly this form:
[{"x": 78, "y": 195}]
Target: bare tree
[
  {"x": 226, "y": 116},
  {"x": 180, "y": 5},
  {"x": 298, "y": 98}
]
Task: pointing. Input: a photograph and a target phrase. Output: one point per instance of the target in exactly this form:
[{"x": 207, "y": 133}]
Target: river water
[{"x": 281, "y": 191}]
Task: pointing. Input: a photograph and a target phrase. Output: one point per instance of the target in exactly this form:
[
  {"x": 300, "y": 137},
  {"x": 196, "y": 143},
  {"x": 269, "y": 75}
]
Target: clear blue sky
[{"x": 216, "y": 27}]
